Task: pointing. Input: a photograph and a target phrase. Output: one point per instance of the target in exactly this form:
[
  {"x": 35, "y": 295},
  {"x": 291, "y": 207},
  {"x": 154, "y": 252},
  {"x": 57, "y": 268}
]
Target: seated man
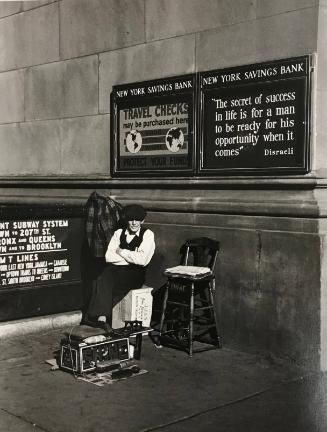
[{"x": 129, "y": 252}]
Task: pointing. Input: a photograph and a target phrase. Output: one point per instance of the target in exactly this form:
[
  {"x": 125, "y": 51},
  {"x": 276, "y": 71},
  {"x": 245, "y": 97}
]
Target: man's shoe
[{"x": 105, "y": 326}]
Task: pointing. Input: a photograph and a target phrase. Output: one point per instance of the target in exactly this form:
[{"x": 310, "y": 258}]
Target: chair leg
[
  {"x": 191, "y": 320},
  {"x": 212, "y": 289},
  {"x": 163, "y": 312}
]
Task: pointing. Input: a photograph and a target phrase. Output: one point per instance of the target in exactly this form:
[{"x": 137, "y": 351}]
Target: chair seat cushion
[{"x": 188, "y": 271}]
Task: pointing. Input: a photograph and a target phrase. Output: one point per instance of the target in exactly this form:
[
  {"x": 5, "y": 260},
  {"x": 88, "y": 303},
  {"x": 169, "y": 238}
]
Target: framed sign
[
  {"x": 256, "y": 119},
  {"x": 39, "y": 252},
  {"x": 152, "y": 127}
]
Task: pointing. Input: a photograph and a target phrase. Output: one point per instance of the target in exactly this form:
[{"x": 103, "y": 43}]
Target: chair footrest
[
  {"x": 202, "y": 308},
  {"x": 178, "y": 303},
  {"x": 170, "y": 302}
]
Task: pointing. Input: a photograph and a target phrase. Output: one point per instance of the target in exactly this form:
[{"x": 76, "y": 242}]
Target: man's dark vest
[{"x": 136, "y": 241}]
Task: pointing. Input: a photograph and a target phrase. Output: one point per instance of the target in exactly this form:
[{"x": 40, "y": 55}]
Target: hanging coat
[{"x": 102, "y": 217}]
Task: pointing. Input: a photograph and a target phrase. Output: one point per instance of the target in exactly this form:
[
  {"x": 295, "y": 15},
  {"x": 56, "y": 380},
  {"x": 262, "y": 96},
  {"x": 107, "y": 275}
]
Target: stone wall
[{"x": 58, "y": 63}]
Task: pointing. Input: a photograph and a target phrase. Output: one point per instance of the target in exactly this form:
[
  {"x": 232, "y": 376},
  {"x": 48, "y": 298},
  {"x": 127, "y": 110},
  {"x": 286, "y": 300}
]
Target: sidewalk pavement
[{"x": 220, "y": 390}]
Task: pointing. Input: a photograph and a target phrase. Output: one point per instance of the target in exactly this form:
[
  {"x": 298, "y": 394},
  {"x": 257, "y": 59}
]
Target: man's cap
[{"x": 134, "y": 212}]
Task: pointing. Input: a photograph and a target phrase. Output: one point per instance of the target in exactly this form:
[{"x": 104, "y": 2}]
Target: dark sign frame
[
  {"x": 229, "y": 131},
  {"x": 146, "y": 139},
  {"x": 48, "y": 296}
]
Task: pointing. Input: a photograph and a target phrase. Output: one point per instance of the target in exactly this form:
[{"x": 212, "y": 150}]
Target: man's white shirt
[{"x": 141, "y": 256}]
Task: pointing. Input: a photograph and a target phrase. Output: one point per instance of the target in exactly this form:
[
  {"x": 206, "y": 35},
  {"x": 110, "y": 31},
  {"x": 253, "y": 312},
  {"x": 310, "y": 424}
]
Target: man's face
[{"x": 134, "y": 226}]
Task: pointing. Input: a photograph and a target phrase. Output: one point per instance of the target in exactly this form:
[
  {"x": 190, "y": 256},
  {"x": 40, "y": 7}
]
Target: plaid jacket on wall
[{"x": 102, "y": 216}]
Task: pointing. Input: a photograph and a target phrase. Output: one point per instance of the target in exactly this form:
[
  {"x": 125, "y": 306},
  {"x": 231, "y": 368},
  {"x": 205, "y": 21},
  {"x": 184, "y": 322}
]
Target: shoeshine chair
[{"x": 189, "y": 300}]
